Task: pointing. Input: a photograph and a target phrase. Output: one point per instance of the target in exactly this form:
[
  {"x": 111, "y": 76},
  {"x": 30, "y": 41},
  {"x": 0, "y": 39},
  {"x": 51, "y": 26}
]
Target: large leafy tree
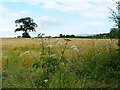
[
  {"x": 26, "y": 25},
  {"x": 116, "y": 18}
]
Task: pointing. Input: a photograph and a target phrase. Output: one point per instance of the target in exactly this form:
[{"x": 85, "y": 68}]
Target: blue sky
[{"x": 56, "y": 17}]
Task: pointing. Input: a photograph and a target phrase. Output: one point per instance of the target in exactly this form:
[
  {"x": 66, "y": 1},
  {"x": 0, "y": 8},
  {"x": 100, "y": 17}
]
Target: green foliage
[
  {"x": 116, "y": 17},
  {"x": 50, "y": 64},
  {"x": 114, "y": 33},
  {"x": 102, "y": 67}
]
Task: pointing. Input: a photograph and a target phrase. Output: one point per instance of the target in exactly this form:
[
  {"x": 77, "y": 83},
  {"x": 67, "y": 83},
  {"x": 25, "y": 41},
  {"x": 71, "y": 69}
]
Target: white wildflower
[
  {"x": 40, "y": 53},
  {"x": 49, "y": 46},
  {"x": 27, "y": 52},
  {"x": 40, "y": 43},
  {"x": 53, "y": 55},
  {"x": 65, "y": 42},
  {"x": 59, "y": 43},
  {"x": 75, "y": 48},
  {"x": 46, "y": 80}
]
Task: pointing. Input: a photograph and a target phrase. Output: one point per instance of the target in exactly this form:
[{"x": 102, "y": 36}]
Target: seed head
[{"x": 67, "y": 40}]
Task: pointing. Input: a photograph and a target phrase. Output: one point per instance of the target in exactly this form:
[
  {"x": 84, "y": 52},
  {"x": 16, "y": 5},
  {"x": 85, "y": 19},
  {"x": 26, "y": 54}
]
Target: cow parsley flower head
[
  {"x": 40, "y": 43},
  {"x": 65, "y": 42},
  {"x": 49, "y": 46},
  {"x": 27, "y": 52},
  {"x": 59, "y": 43},
  {"x": 46, "y": 80},
  {"x": 75, "y": 48}
]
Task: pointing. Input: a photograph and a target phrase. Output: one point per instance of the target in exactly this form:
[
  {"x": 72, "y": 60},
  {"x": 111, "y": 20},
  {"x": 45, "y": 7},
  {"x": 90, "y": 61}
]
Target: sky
[{"x": 55, "y": 17}]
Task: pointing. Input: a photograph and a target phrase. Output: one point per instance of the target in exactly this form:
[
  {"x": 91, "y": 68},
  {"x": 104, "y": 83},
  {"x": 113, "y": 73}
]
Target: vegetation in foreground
[{"x": 60, "y": 63}]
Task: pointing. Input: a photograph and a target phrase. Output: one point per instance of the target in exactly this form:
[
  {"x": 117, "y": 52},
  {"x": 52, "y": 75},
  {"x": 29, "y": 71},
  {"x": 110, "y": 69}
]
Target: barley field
[{"x": 60, "y": 63}]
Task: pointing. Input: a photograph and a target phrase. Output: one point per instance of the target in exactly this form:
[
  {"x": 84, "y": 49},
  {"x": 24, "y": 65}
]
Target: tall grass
[{"x": 60, "y": 63}]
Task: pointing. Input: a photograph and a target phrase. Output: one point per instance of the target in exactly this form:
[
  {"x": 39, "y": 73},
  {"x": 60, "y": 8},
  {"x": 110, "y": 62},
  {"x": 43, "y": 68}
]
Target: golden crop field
[
  {"x": 56, "y": 63},
  {"x": 84, "y": 44}
]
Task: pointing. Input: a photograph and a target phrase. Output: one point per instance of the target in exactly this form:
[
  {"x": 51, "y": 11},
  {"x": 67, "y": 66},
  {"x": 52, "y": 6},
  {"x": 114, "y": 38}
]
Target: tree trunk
[{"x": 25, "y": 35}]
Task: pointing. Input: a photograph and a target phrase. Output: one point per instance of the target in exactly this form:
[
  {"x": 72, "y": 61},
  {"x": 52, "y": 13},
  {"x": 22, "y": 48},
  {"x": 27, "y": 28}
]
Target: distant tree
[
  {"x": 18, "y": 36},
  {"x": 67, "y": 36},
  {"x": 61, "y": 36},
  {"x": 70, "y": 36},
  {"x": 25, "y": 25}
]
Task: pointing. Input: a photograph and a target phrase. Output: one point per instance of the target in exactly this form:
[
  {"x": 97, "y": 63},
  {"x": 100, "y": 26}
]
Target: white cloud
[
  {"x": 7, "y": 20},
  {"x": 17, "y": 14},
  {"x": 86, "y": 8},
  {"x": 5, "y": 23},
  {"x": 47, "y": 21},
  {"x": 2, "y": 8},
  {"x": 93, "y": 24},
  {"x": 96, "y": 13}
]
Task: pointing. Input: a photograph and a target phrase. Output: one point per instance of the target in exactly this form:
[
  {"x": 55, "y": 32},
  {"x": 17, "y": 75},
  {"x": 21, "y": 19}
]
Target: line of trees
[{"x": 112, "y": 34}]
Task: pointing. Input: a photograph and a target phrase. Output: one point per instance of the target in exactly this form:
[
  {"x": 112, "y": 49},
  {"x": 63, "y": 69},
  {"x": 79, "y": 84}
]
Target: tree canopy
[{"x": 25, "y": 25}]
